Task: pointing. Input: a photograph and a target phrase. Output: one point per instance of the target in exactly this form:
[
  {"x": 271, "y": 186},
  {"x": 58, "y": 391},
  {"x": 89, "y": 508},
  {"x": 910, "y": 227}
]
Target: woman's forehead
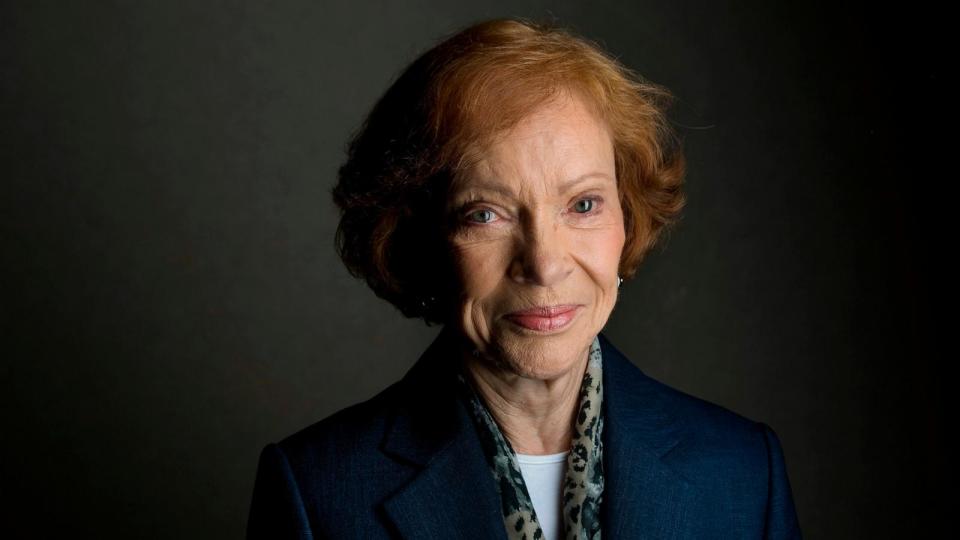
[
  {"x": 560, "y": 185},
  {"x": 558, "y": 151}
]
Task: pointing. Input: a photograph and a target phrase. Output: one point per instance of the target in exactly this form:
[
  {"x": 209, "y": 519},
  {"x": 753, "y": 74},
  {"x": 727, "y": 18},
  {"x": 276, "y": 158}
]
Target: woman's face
[{"x": 536, "y": 242}]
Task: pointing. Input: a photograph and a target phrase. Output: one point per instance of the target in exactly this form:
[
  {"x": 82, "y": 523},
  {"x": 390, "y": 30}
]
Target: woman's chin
[{"x": 542, "y": 357}]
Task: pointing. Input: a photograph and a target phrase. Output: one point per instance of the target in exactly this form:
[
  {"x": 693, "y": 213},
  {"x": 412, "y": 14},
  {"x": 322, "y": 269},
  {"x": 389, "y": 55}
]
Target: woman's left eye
[{"x": 584, "y": 206}]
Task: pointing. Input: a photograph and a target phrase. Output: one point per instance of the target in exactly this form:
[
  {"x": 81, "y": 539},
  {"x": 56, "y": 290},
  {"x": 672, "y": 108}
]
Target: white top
[{"x": 544, "y": 478}]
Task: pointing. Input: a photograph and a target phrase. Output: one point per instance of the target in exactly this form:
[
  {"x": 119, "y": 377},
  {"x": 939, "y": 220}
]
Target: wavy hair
[{"x": 439, "y": 115}]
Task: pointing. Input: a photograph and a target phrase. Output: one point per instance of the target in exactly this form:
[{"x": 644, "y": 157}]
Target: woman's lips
[{"x": 544, "y": 319}]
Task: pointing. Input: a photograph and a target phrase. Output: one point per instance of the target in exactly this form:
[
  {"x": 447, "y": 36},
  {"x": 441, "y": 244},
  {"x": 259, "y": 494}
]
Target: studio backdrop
[{"x": 172, "y": 300}]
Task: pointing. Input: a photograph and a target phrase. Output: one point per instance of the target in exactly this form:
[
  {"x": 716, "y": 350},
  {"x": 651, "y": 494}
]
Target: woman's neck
[{"x": 535, "y": 415}]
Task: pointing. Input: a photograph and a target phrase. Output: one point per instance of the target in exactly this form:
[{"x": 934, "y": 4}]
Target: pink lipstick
[{"x": 545, "y": 318}]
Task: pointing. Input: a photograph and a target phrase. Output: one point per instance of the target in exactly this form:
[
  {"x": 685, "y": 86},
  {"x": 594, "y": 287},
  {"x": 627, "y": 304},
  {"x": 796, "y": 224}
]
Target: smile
[{"x": 544, "y": 319}]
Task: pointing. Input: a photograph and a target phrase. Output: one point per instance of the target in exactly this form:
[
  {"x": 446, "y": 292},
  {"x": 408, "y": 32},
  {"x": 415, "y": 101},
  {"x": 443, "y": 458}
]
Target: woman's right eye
[{"x": 481, "y": 216}]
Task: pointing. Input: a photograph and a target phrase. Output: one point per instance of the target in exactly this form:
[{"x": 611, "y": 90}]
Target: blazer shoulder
[
  {"x": 739, "y": 461},
  {"x": 737, "y": 464},
  {"x": 326, "y": 476},
  {"x": 717, "y": 446},
  {"x": 707, "y": 421},
  {"x": 690, "y": 416}
]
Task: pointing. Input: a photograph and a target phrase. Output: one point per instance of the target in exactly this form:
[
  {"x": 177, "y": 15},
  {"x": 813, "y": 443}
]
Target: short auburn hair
[{"x": 441, "y": 112}]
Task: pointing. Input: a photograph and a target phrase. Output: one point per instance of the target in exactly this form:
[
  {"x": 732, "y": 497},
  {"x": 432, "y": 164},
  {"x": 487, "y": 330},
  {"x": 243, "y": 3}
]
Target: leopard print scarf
[{"x": 583, "y": 482}]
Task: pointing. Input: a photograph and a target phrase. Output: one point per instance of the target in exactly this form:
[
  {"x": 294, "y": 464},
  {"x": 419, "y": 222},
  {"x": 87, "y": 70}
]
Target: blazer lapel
[
  {"x": 452, "y": 494},
  {"x": 644, "y": 497}
]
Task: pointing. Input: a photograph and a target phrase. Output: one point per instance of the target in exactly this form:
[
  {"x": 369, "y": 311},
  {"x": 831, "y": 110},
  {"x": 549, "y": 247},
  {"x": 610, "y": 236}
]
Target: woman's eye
[
  {"x": 480, "y": 216},
  {"x": 584, "y": 206}
]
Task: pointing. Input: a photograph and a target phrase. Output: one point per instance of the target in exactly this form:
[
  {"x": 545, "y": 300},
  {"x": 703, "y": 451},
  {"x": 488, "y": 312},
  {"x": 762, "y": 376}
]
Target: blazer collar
[
  {"x": 644, "y": 496},
  {"x": 453, "y": 491}
]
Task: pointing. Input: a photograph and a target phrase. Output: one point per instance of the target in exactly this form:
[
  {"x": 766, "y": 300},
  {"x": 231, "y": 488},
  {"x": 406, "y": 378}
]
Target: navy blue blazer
[{"x": 407, "y": 463}]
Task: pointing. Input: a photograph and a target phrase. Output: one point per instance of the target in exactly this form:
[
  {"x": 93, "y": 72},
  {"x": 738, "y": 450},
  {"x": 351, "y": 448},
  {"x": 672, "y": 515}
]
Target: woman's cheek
[{"x": 479, "y": 266}]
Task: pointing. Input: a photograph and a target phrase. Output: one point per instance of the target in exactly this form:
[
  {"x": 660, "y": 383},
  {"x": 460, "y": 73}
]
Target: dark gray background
[{"x": 172, "y": 300}]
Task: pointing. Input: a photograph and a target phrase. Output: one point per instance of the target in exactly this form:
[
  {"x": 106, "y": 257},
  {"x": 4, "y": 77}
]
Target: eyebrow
[{"x": 486, "y": 185}]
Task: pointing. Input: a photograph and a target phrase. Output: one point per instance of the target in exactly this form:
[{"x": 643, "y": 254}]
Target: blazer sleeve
[
  {"x": 781, "y": 515},
  {"x": 277, "y": 510}
]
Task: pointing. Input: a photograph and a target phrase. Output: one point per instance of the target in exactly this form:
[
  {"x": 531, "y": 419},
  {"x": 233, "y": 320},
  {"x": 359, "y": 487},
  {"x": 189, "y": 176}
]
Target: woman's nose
[{"x": 542, "y": 257}]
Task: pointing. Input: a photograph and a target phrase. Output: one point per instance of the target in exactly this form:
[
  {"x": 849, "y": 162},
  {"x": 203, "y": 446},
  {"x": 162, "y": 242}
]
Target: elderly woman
[{"x": 504, "y": 187}]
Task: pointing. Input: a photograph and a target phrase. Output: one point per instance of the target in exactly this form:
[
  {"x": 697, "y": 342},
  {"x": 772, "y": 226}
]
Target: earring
[{"x": 619, "y": 281}]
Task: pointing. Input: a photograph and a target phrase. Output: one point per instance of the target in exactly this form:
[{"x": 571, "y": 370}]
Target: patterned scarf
[{"x": 583, "y": 483}]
